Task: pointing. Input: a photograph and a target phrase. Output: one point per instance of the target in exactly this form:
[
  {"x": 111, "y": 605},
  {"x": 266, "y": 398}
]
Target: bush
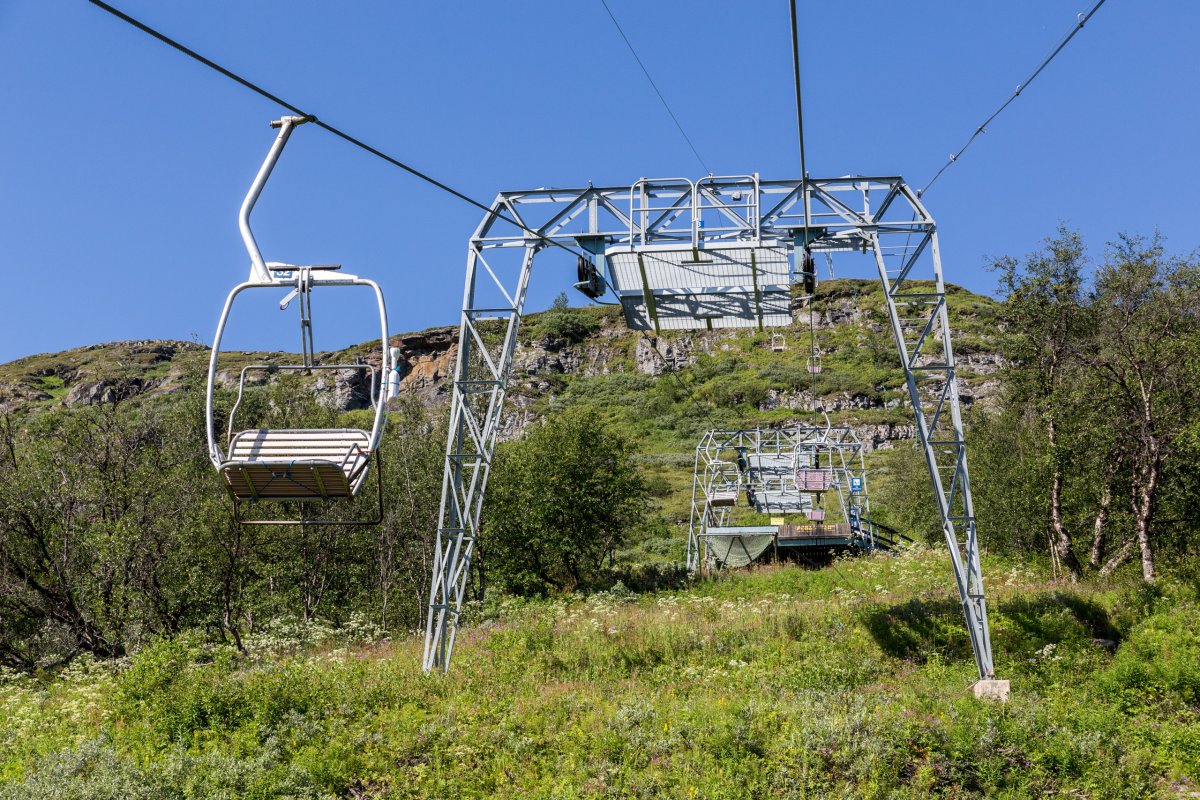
[
  {"x": 1160, "y": 660},
  {"x": 560, "y": 503},
  {"x": 565, "y": 324}
]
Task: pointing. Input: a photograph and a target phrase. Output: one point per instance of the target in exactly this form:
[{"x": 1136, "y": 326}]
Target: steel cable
[
  {"x": 654, "y": 85},
  {"x": 1080, "y": 21},
  {"x": 167, "y": 40}
]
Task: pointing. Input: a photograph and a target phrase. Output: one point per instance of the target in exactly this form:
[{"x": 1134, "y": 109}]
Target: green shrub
[
  {"x": 561, "y": 502},
  {"x": 566, "y": 324},
  {"x": 1160, "y": 660}
]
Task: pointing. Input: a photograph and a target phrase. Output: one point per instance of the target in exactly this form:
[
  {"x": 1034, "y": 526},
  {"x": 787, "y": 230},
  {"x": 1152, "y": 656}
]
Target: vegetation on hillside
[
  {"x": 151, "y": 647},
  {"x": 775, "y": 683}
]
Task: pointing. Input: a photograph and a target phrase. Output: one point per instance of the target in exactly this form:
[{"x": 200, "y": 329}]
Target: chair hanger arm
[{"x": 258, "y": 267}]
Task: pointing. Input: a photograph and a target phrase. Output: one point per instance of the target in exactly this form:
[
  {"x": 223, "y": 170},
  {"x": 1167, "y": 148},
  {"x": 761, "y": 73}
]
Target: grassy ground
[{"x": 850, "y": 681}]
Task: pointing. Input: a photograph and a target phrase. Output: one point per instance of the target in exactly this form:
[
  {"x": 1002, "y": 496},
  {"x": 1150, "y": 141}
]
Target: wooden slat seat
[
  {"x": 814, "y": 480},
  {"x": 722, "y": 498},
  {"x": 815, "y": 531},
  {"x": 296, "y": 464}
]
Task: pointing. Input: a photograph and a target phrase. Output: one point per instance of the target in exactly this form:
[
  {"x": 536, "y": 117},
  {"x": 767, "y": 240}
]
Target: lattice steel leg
[
  {"x": 919, "y": 320},
  {"x": 477, "y": 401},
  {"x": 698, "y": 519}
]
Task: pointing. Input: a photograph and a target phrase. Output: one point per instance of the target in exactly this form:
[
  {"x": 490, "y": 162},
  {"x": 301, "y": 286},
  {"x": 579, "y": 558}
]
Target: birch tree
[
  {"x": 1044, "y": 317},
  {"x": 1145, "y": 353}
]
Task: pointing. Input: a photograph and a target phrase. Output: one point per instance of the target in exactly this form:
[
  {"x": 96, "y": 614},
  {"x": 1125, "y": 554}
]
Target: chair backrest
[
  {"x": 814, "y": 480},
  {"x": 346, "y": 447}
]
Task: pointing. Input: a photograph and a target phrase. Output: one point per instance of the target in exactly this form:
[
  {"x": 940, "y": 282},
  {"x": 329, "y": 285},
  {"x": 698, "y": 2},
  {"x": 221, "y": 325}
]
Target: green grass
[
  {"x": 850, "y": 681},
  {"x": 52, "y": 385}
]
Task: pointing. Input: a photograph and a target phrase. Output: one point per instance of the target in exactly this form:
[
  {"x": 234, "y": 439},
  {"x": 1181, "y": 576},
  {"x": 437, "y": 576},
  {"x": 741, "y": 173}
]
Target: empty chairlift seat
[
  {"x": 814, "y": 480},
  {"x": 291, "y": 464},
  {"x": 722, "y": 498},
  {"x": 296, "y": 464}
]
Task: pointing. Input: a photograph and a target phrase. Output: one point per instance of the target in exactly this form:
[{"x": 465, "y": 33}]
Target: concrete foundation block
[{"x": 991, "y": 690}]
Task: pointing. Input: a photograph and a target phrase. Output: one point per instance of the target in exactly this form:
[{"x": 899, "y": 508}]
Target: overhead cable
[
  {"x": 799, "y": 113},
  {"x": 320, "y": 124},
  {"x": 1080, "y": 21},
  {"x": 654, "y": 85}
]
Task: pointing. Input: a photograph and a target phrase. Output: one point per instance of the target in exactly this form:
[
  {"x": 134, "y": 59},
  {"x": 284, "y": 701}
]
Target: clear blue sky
[{"x": 122, "y": 163}]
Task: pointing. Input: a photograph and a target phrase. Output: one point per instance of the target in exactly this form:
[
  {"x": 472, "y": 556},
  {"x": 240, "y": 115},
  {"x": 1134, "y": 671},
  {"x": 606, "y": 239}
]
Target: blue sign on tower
[{"x": 856, "y": 484}]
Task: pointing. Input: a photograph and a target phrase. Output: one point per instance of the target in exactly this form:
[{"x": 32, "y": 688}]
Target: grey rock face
[
  {"x": 95, "y": 393},
  {"x": 344, "y": 389},
  {"x": 655, "y": 355}
]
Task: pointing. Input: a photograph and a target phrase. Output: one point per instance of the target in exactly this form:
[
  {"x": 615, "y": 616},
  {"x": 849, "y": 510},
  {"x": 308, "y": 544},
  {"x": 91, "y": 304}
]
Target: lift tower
[{"x": 714, "y": 253}]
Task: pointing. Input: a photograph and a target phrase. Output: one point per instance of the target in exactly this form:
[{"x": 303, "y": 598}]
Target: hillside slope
[
  {"x": 861, "y": 373},
  {"x": 664, "y": 390},
  {"x": 779, "y": 683}
]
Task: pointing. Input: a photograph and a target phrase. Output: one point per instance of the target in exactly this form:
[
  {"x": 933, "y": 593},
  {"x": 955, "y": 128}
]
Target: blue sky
[{"x": 122, "y": 163}]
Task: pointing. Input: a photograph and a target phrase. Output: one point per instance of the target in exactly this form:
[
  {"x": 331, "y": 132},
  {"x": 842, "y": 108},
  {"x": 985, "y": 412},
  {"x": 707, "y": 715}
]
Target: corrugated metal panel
[{"x": 714, "y": 286}]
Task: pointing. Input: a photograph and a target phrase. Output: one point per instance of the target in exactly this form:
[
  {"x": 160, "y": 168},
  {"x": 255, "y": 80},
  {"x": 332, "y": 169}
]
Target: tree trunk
[
  {"x": 1055, "y": 567},
  {"x": 1061, "y": 539},
  {"x": 1149, "y": 470},
  {"x": 1144, "y": 514},
  {"x": 1119, "y": 558},
  {"x": 1098, "y": 527}
]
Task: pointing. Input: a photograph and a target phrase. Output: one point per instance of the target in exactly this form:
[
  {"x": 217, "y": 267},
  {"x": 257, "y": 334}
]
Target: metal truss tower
[{"x": 718, "y": 252}]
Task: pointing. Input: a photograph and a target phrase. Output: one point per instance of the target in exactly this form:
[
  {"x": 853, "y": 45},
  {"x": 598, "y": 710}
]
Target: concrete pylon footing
[{"x": 991, "y": 690}]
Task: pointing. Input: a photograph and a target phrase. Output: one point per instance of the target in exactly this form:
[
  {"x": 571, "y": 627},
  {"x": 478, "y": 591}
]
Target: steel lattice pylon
[{"x": 679, "y": 254}]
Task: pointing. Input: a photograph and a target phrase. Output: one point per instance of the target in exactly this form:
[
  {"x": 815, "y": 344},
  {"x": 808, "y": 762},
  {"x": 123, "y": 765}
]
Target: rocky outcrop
[
  {"x": 344, "y": 389},
  {"x": 427, "y": 361},
  {"x": 793, "y": 400},
  {"x": 543, "y": 364},
  {"x": 94, "y": 374},
  {"x": 152, "y": 350},
  {"x": 15, "y": 396},
  {"x": 95, "y": 393},
  {"x": 655, "y": 355},
  {"x": 885, "y": 436}
]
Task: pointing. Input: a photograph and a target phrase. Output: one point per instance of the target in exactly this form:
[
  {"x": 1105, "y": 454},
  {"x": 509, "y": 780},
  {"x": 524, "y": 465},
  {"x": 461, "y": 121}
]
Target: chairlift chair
[
  {"x": 294, "y": 464},
  {"x": 813, "y": 479},
  {"x": 807, "y": 473},
  {"x": 814, "y": 364},
  {"x": 722, "y": 499},
  {"x": 778, "y": 343}
]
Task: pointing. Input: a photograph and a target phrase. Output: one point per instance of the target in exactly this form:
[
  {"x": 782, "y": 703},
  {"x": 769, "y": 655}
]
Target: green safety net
[{"x": 738, "y": 551}]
